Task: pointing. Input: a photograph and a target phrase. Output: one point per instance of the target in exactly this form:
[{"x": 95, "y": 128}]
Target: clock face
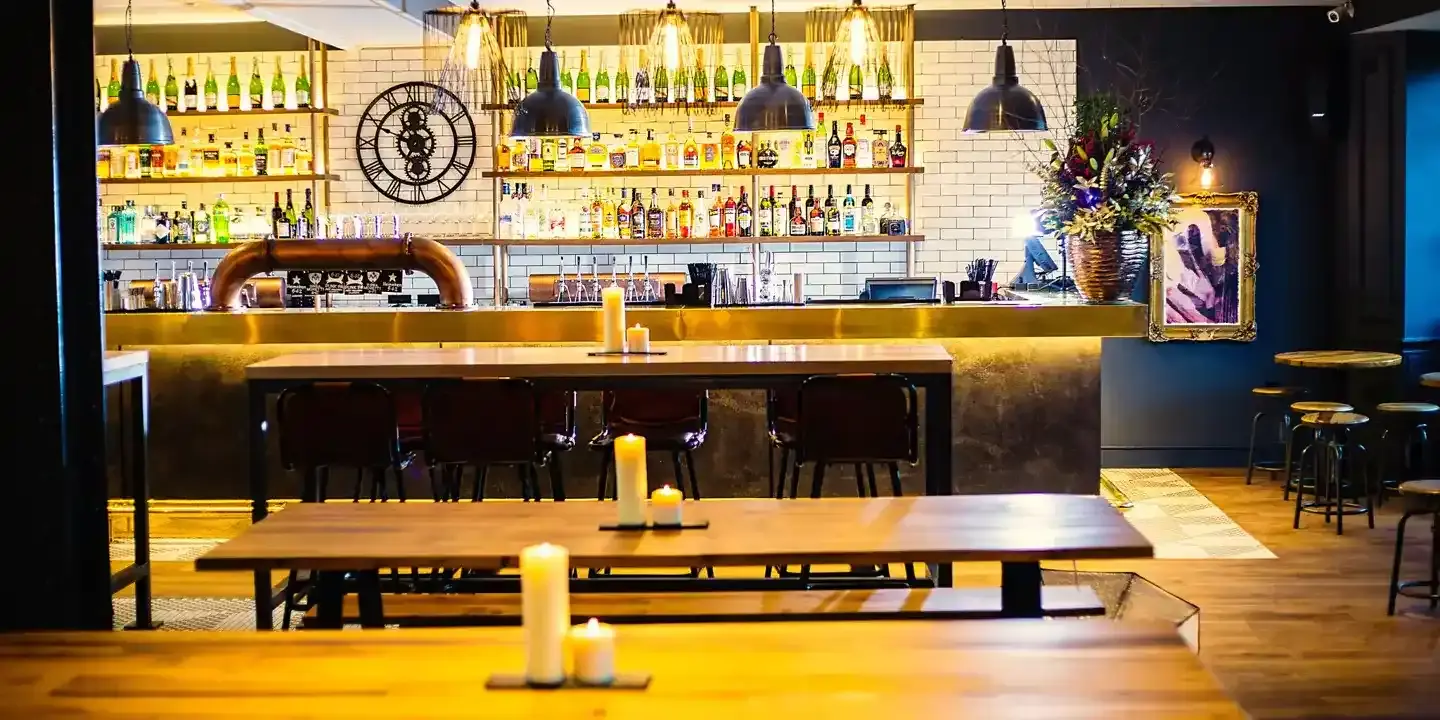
[{"x": 416, "y": 143}]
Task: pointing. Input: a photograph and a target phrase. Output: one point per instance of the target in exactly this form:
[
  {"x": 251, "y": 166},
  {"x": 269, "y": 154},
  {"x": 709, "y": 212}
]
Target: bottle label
[
  {"x": 766, "y": 223},
  {"x": 745, "y": 221},
  {"x": 743, "y": 158},
  {"x": 657, "y": 224},
  {"x": 834, "y": 153},
  {"x": 262, "y": 164},
  {"x": 817, "y": 224},
  {"x": 302, "y": 98},
  {"x": 849, "y": 152},
  {"x": 848, "y": 226},
  {"x": 277, "y": 98}
]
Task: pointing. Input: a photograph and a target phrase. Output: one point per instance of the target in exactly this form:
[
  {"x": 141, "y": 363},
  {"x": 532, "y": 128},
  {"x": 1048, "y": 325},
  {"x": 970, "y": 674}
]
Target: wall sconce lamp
[{"x": 1203, "y": 152}]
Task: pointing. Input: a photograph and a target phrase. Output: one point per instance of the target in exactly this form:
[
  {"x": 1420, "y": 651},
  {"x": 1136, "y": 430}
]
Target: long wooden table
[
  {"x": 1018, "y": 531},
  {"x": 130, "y": 371},
  {"x": 571, "y": 368},
  {"x": 838, "y": 671}
]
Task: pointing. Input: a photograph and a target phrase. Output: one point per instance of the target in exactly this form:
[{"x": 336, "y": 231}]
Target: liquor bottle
[
  {"x": 192, "y": 86},
  {"x": 505, "y": 215},
  {"x": 182, "y": 228},
  {"x": 608, "y": 209},
  {"x": 302, "y": 88},
  {"x": 547, "y": 154},
  {"x": 171, "y": 162},
  {"x": 727, "y": 216},
  {"x": 184, "y": 154},
  {"x": 868, "y": 224},
  {"x": 799, "y": 224},
  {"x": 807, "y": 150},
  {"x": 582, "y": 82},
  {"x": 700, "y": 84},
  {"x": 201, "y": 227},
  {"x": 632, "y": 150},
  {"x": 880, "y": 150},
  {"x": 257, "y": 86},
  {"x": 672, "y": 217},
  {"x": 277, "y": 87},
  {"x": 583, "y": 221},
  {"x": 864, "y": 150},
  {"x": 727, "y": 147},
  {"x": 597, "y": 216},
  {"x": 616, "y": 152},
  {"x": 743, "y": 154},
  {"x": 229, "y": 160},
  {"x": 700, "y": 217},
  {"x": 245, "y": 157},
  {"x": 709, "y": 152},
  {"x": 722, "y": 82},
  {"x": 567, "y": 81},
  {"x": 738, "y": 83},
  {"x": 602, "y": 80},
  {"x": 682, "y": 85},
  {"x": 832, "y": 212},
  {"x": 686, "y": 222},
  {"x": 763, "y": 217},
  {"x": 744, "y": 216},
  {"x": 112, "y": 91},
  {"x": 690, "y": 157},
  {"x": 623, "y": 227},
  {"x": 279, "y": 226},
  {"x": 831, "y": 79},
  {"x": 897, "y": 150},
  {"x": 790, "y": 78},
  {"x": 210, "y": 159},
  {"x": 220, "y": 220},
  {"x": 884, "y": 81},
  {"x": 816, "y": 214},
  {"x": 717, "y": 213},
  {"x": 212, "y": 88},
  {"x": 622, "y": 82},
  {"x": 644, "y": 93},
  {"x": 262, "y": 154},
  {"x": 833, "y": 146},
  {"x": 304, "y": 159},
  {"x": 232, "y": 86},
  {"x": 662, "y": 84},
  {"x": 672, "y": 147},
  {"x": 307, "y": 218},
  {"x": 847, "y": 147},
  {"x": 577, "y": 160},
  {"x": 172, "y": 88},
  {"x": 857, "y": 82},
  {"x": 291, "y": 219},
  {"x": 282, "y": 151},
  {"x": 768, "y": 157},
  {"x": 637, "y": 216},
  {"x": 650, "y": 152},
  {"x": 532, "y": 79},
  {"x": 807, "y": 80},
  {"x": 849, "y": 214},
  {"x": 779, "y": 215},
  {"x": 597, "y": 156}
]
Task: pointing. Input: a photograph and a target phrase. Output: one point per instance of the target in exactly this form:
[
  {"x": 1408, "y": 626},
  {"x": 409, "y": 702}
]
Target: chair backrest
[
  {"x": 857, "y": 418},
  {"x": 337, "y": 424},
  {"x": 638, "y": 410},
  {"x": 557, "y": 412},
  {"x": 481, "y": 421}
]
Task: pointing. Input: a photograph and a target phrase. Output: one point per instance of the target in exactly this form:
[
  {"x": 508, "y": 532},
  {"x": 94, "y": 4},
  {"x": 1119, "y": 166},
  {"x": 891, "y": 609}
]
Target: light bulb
[
  {"x": 1207, "y": 177},
  {"x": 672, "y": 47},
  {"x": 857, "y": 38},
  {"x": 472, "y": 45}
]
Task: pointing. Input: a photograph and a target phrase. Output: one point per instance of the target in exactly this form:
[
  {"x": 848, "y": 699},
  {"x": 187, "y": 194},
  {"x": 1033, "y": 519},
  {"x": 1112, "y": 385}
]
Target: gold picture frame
[{"x": 1202, "y": 271}]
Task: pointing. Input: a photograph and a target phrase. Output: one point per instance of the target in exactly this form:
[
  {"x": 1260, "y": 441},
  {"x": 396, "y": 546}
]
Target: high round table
[
  {"x": 1430, "y": 379},
  {"x": 1340, "y": 359}
]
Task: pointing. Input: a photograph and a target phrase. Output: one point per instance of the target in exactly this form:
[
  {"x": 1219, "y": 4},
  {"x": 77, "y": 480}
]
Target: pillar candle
[
  {"x": 637, "y": 339},
  {"x": 592, "y": 646},
  {"x": 545, "y": 611},
  {"x": 665, "y": 507},
  {"x": 612, "y": 303},
  {"x": 630, "y": 479}
]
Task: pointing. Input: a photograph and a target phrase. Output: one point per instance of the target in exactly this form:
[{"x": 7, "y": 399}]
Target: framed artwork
[{"x": 1202, "y": 271}]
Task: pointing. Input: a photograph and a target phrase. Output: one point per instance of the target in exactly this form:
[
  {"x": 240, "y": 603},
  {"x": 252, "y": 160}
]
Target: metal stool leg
[
  {"x": 1435, "y": 561},
  {"x": 870, "y": 478},
  {"x": 557, "y": 478},
  {"x": 1250, "y": 458},
  {"x": 1300, "y": 486},
  {"x": 482, "y": 473},
  {"x": 604, "y": 479},
  {"x": 817, "y": 480},
  {"x": 1297, "y": 473},
  {"x": 795, "y": 477},
  {"x": 694, "y": 481},
  {"x": 859, "y": 480},
  {"x": 1395, "y": 566}
]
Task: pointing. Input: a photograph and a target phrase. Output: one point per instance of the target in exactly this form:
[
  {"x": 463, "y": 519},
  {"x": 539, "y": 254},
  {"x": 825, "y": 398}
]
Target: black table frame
[
  {"x": 133, "y": 380},
  {"x": 938, "y": 469}
]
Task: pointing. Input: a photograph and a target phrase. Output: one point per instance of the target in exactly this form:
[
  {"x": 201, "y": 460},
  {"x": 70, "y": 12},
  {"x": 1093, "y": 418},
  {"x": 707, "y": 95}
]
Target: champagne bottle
[
  {"x": 257, "y": 86},
  {"x": 152, "y": 86},
  {"x": 700, "y": 83},
  {"x": 857, "y": 82},
  {"x": 112, "y": 91},
  {"x": 622, "y": 82},
  {"x": 212, "y": 88},
  {"x": 232, "y": 87},
  {"x": 192, "y": 86},
  {"x": 582, "y": 83},
  {"x": 277, "y": 87},
  {"x": 807, "y": 80},
  {"x": 172, "y": 88},
  {"x": 602, "y": 82},
  {"x": 885, "y": 82},
  {"x": 722, "y": 81},
  {"x": 738, "y": 83},
  {"x": 302, "y": 88},
  {"x": 567, "y": 81}
]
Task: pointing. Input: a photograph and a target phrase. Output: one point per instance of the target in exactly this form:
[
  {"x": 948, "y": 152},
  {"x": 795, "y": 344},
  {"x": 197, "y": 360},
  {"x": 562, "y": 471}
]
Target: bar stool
[
  {"x": 1411, "y": 421},
  {"x": 1304, "y": 407},
  {"x": 325, "y": 425},
  {"x": 1331, "y": 446},
  {"x": 1422, "y": 497},
  {"x": 1271, "y": 401},
  {"x": 673, "y": 421},
  {"x": 463, "y": 429}
]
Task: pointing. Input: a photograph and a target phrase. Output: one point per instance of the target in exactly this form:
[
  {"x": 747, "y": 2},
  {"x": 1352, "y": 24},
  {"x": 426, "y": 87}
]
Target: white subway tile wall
[{"x": 965, "y": 203}]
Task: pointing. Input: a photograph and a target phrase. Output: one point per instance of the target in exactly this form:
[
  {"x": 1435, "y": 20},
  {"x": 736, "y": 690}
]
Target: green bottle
[
  {"x": 172, "y": 88},
  {"x": 790, "y": 70},
  {"x": 302, "y": 88},
  {"x": 212, "y": 88},
  {"x": 220, "y": 220},
  {"x": 807, "y": 80},
  {"x": 722, "y": 81},
  {"x": 662, "y": 85},
  {"x": 532, "y": 80},
  {"x": 567, "y": 81},
  {"x": 112, "y": 91},
  {"x": 738, "y": 85},
  {"x": 232, "y": 86},
  {"x": 885, "y": 82},
  {"x": 582, "y": 81},
  {"x": 602, "y": 82},
  {"x": 152, "y": 86},
  {"x": 622, "y": 82},
  {"x": 830, "y": 80},
  {"x": 701, "y": 84},
  {"x": 682, "y": 84},
  {"x": 277, "y": 87},
  {"x": 857, "y": 83},
  {"x": 257, "y": 86}
]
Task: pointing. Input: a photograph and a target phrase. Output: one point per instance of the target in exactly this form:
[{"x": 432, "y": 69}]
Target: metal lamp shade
[
  {"x": 133, "y": 120},
  {"x": 550, "y": 111},
  {"x": 772, "y": 105},
  {"x": 1006, "y": 104}
]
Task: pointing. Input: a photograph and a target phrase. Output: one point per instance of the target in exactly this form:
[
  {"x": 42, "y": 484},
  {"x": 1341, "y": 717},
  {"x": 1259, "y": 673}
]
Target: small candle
[
  {"x": 637, "y": 339},
  {"x": 612, "y": 304},
  {"x": 592, "y": 646},
  {"x": 630, "y": 479},
  {"x": 665, "y": 506},
  {"x": 545, "y": 611}
]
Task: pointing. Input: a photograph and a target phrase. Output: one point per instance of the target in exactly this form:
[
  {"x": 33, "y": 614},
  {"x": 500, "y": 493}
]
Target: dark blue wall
[{"x": 1422, "y": 186}]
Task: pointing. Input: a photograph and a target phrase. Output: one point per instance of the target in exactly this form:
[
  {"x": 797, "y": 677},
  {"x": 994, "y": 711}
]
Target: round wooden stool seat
[
  {"x": 1271, "y": 391},
  {"x": 1421, "y": 488},
  {"x": 1408, "y": 407},
  {"x": 1318, "y": 406},
  {"x": 1334, "y": 419}
]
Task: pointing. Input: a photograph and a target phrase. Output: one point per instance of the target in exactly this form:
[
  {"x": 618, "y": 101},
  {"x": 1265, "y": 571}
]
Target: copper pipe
[{"x": 407, "y": 253}]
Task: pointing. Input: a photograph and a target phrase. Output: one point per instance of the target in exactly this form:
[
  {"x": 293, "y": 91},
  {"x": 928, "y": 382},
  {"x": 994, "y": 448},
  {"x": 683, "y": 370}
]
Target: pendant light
[
  {"x": 1006, "y": 104},
  {"x": 550, "y": 111},
  {"x": 132, "y": 120},
  {"x": 772, "y": 105}
]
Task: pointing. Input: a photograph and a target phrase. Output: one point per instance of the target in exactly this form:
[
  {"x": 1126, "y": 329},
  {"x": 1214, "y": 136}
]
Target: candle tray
[
  {"x": 517, "y": 681},
  {"x": 605, "y": 353},
  {"x": 686, "y": 525}
]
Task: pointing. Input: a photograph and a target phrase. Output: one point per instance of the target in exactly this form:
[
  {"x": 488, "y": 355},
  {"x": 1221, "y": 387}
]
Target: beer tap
[
  {"x": 595, "y": 277},
  {"x": 562, "y": 294},
  {"x": 630, "y": 293}
]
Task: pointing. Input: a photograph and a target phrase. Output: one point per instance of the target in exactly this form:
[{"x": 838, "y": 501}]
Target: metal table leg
[
  {"x": 1020, "y": 590},
  {"x": 258, "y": 498},
  {"x": 137, "y": 403},
  {"x": 938, "y": 439}
]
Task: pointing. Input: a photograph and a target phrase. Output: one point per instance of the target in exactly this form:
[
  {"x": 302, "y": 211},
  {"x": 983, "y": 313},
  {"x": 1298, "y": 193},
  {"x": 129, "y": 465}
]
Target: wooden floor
[{"x": 1305, "y": 635}]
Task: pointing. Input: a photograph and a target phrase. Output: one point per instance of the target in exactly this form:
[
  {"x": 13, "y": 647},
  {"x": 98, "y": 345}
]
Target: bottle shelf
[
  {"x": 214, "y": 180},
  {"x": 726, "y": 105},
  {"x": 566, "y": 242},
  {"x": 171, "y": 246},
  {"x": 751, "y": 172},
  {"x": 192, "y": 114}
]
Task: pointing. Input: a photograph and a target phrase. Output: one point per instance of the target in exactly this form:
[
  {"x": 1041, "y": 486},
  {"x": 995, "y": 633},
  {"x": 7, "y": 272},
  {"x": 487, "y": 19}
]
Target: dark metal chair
[
  {"x": 482, "y": 423},
  {"x": 1409, "y": 422},
  {"x": 1422, "y": 497},
  {"x": 1271, "y": 402},
  {"x": 671, "y": 421},
  {"x": 1293, "y": 466},
  {"x": 1334, "y": 452}
]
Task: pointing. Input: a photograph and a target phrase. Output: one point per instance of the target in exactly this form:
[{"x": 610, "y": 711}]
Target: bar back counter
[{"x": 1026, "y": 393}]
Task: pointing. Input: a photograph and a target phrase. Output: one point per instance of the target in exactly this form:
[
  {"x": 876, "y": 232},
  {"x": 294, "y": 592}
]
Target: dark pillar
[{"x": 54, "y": 532}]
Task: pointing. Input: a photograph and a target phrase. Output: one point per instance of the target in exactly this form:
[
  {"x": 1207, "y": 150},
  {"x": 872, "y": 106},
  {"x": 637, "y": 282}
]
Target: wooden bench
[{"x": 495, "y": 609}]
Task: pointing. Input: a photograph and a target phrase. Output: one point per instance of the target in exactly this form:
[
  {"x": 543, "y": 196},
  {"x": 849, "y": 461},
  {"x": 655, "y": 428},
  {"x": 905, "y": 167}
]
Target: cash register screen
[{"x": 893, "y": 289}]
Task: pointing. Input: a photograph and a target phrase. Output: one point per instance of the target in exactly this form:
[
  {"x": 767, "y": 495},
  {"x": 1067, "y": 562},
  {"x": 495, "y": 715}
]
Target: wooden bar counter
[{"x": 1026, "y": 392}]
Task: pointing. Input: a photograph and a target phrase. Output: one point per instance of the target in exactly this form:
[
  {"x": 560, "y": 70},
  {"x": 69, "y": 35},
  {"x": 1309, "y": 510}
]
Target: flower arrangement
[{"x": 1105, "y": 181}]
